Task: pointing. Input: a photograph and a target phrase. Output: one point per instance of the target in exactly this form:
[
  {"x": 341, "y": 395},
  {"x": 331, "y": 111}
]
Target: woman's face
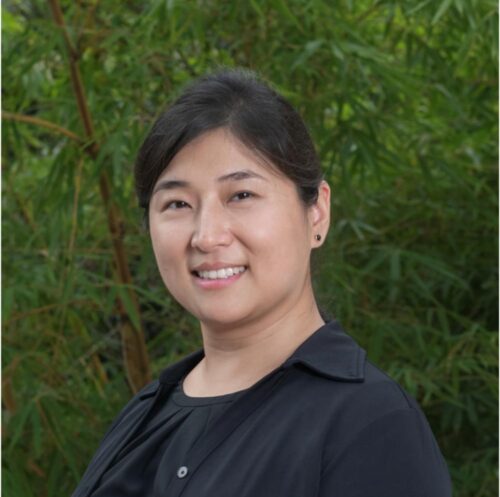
[{"x": 231, "y": 238}]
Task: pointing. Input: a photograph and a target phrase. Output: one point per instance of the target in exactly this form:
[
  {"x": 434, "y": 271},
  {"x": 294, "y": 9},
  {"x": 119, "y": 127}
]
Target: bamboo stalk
[{"x": 133, "y": 342}]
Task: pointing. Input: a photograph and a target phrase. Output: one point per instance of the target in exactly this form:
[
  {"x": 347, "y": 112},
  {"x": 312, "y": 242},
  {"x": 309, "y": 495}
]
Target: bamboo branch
[
  {"x": 36, "y": 469},
  {"x": 133, "y": 343},
  {"x": 46, "y": 308},
  {"x": 11, "y": 116}
]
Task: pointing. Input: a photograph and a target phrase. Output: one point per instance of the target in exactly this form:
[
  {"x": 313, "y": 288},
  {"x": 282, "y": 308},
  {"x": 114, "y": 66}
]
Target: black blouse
[
  {"x": 326, "y": 423},
  {"x": 145, "y": 466}
]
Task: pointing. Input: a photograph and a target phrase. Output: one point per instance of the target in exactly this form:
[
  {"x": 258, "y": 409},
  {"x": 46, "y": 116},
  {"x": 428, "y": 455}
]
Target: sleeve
[{"x": 394, "y": 456}]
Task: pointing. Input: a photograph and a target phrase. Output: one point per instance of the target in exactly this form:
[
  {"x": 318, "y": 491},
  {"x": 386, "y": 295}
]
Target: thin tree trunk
[{"x": 132, "y": 335}]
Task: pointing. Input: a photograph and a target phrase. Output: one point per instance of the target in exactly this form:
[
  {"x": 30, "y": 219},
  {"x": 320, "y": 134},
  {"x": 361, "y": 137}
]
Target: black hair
[{"x": 251, "y": 111}]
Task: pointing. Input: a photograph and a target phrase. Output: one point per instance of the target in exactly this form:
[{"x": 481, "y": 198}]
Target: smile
[{"x": 220, "y": 274}]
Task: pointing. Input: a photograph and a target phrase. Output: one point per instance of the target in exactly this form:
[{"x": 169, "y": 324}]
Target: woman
[{"x": 278, "y": 402}]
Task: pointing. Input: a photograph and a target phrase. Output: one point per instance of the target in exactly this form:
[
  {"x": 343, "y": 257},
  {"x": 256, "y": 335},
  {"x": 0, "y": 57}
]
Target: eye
[
  {"x": 176, "y": 205},
  {"x": 242, "y": 196}
]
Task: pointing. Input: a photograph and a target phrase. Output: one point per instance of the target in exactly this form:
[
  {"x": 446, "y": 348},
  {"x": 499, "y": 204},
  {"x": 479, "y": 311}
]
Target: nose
[{"x": 212, "y": 228}]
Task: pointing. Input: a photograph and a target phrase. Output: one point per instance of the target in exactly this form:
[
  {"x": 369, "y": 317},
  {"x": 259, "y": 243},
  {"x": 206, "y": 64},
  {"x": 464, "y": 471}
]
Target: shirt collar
[
  {"x": 174, "y": 373},
  {"x": 329, "y": 352}
]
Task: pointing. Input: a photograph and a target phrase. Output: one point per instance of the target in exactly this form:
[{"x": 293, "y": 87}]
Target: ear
[{"x": 319, "y": 215}]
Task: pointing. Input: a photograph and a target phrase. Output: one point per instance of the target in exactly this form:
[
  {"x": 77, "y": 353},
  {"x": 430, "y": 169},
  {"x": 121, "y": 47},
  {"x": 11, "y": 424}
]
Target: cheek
[
  {"x": 170, "y": 259},
  {"x": 282, "y": 239},
  {"x": 166, "y": 249}
]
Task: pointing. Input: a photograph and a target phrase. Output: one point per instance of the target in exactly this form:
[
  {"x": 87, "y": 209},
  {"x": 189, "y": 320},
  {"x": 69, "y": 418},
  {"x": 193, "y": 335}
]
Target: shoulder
[
  {"x": 332, "y": 367},
  {"x": 381, "y": 433},
  {"x": 378, "y": 396},
  {"x": 350, "y": 406},
  {"x": 147, "y": 392},
  {"x": 381, "y": 441},
  {"x": 342, "y": 392},
  {"x": 379, "y": 421},
  {"x": 135, "y": 407}
]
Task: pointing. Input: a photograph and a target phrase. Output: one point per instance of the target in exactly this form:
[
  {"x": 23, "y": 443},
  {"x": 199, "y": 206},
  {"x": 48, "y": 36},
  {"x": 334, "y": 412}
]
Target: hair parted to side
[{"x": 236, "y": 100}]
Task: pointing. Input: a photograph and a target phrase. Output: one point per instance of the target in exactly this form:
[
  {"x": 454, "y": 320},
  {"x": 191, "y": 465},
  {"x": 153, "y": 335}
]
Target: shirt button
[{"x": 182, "y": 472}]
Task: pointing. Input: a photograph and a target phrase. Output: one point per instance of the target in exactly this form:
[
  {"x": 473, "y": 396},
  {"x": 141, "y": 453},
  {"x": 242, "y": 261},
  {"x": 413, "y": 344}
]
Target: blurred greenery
[{"x": 401, "y": 98}]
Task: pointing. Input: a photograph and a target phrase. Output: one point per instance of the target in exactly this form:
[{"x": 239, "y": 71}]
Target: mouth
[{"x": 220, "y": 274}]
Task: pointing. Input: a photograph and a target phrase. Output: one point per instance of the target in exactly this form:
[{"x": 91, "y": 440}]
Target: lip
[
  {"x": 216, "y": 284},
  {"x": 216, "y": 265}
]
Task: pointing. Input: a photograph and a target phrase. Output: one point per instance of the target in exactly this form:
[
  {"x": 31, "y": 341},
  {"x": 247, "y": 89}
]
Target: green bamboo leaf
[
  {"x": 443, "y": 8},
  {"x": 36, "y": 426},
  {"x": 255, "y": 5},
  {"x": 10, "y": 23},
  {"x": 310, "y": 49},
  {"x": 283, "y": 9},
  {"x": 17, "y": 425}
]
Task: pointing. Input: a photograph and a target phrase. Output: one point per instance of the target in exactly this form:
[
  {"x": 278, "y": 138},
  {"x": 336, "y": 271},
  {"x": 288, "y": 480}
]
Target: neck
[{"x": 237, "y": 358}]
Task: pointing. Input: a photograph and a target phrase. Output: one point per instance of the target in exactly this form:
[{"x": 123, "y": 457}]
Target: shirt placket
[{"x": 174, "y": 485}]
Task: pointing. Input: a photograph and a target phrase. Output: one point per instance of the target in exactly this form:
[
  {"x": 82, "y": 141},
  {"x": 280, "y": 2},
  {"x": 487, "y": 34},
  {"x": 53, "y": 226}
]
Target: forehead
[{"x": 217, "y": 152}]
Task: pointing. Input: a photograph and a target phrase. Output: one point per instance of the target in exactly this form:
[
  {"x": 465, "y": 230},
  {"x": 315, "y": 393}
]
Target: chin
[{"x": 224, "y": 318}]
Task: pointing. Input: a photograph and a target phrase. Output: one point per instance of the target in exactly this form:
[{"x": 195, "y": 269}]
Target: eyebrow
[{"x": 235, "y": 176}]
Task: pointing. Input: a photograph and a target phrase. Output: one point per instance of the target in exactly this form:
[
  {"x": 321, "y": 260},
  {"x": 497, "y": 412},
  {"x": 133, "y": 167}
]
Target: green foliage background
[{"x": 401, "y": 99}]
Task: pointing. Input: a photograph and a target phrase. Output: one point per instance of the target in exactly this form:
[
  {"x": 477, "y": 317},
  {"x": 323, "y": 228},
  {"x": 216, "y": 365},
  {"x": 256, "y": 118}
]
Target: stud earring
[{"x": 318, "y": 237}]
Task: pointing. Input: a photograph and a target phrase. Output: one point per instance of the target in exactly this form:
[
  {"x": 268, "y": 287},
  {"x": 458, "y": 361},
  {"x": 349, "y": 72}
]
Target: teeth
[{"x": 221, "y": 274}]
